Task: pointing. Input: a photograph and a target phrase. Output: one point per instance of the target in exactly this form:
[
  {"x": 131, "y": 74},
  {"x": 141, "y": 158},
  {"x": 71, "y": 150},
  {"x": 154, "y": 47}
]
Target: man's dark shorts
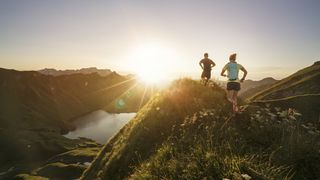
[
  {"x": 233, "y": 86},
  {"x": 206, "y": 74}
]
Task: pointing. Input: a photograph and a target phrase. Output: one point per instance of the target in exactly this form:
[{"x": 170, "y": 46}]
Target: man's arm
[
  {"x": 245, "y": 72},
  {"x": 200, "y": 63},
  {"x": 213, "y": 64}
]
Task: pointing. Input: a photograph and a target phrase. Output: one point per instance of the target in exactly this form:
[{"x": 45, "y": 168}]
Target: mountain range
[
  {"x": 90, "y": 70},
  {"x": 250, "y": 87}
]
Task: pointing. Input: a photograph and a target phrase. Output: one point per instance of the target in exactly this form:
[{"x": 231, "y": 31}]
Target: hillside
[
  {"x": 250, "y": 87},
  {"x": 186, "y": 132},
  {"x": 301, "y": 91},
  {"x": 57, "y": 100},
  {"x": 305, "y": 81},
  {"x": 35, "y": 109}
]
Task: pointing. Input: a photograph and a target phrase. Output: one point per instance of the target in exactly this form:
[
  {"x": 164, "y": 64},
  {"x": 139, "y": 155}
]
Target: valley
[{"x": 36, "y": 110}]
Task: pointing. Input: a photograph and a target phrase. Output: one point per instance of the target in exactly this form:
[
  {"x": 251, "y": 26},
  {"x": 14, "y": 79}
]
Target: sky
[{"x": 271, "y": 37}]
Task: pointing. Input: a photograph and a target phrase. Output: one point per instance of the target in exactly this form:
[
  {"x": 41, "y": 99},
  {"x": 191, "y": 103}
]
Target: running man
[
  {"x": 206, "y": 64},
  {"x": 233, "y": 85}
]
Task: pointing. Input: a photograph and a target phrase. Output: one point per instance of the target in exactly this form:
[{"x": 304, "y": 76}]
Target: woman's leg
[
  {"x": 230, "y": 95},
  {"x": 235, "y": 101},
  {"x": 235, "y": 97}
]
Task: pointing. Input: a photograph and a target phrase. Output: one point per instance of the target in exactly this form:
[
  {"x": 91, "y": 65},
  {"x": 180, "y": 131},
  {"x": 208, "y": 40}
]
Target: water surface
[{"x": 99, "y": 125}]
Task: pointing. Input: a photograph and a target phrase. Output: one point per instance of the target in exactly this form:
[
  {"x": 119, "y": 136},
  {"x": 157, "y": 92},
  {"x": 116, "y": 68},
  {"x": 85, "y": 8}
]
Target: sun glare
[{"x": 152, "y": 62}]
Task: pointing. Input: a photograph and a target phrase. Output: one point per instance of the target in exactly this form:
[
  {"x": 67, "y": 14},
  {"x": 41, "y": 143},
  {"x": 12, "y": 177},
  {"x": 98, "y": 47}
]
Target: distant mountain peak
[
  {"x": 250, "y": 87},
  {"x": 316, "y": 63},
  {"x": 269, "y": 78},
  {"x": 89, "y": 70}
]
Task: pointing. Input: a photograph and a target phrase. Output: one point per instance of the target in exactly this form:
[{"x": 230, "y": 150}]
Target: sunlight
[{"x": 152, "y": 62}]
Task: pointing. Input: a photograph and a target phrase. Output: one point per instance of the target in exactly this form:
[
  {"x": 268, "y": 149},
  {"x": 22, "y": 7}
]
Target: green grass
[
  {"x": 30, "y": 177},
  {"x": 83, "y": 152},
  {"x": 60, "y": 170},
  {"x": 253, "y": 144},
  {"x": 77, "y": 155}
]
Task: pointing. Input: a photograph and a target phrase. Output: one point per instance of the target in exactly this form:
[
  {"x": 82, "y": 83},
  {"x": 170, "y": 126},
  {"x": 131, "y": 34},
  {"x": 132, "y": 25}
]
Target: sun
[
  {"x": 153, "y": 62},
  {"x": 149, "y": 76}
]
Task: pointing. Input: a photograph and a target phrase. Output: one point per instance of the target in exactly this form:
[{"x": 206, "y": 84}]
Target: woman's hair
[{"x": 233, "y": 57}]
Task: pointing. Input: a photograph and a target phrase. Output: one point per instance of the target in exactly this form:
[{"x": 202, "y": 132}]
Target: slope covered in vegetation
[
  {"x": 300, "y": 91},
  {"x": 187, "y": 132},
  {"x": 305, "y": 81},
  {"x": 35, "y": 109}
]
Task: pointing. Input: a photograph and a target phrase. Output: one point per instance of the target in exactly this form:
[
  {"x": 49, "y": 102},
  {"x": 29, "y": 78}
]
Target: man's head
[
  {"x": 233, "y": 57},
  {"x": 206, "y": 55}
]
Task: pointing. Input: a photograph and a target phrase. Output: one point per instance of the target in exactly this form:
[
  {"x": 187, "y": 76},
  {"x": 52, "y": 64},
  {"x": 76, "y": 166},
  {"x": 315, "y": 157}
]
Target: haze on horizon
[{"x": 272, "y": 38}]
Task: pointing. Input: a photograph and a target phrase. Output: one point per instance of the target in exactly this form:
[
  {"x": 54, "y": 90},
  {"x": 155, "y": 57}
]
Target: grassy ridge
[
  {"x": 186, "y": 133},
  {"x": 151, "y": 127},
  {"x": 261, "y": 143}
]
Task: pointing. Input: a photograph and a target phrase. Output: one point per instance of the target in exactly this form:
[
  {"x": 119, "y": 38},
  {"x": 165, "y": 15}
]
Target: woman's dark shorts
[
  {"x": 206, "y": 74},
  {"x": 233, "y": 86}
]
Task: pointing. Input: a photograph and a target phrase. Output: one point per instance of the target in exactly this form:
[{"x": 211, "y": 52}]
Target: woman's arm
[
  {"x": 222, "y": 73},
  {"x": 245, "y": 72},
  {"x": 224, "y": 70}
]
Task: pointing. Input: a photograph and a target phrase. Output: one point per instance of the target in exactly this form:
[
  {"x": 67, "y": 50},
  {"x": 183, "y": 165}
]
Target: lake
[{"x": 99, "y": 125}]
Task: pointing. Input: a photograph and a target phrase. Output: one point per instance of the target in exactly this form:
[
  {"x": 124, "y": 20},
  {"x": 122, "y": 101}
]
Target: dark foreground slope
[
  {"x": 35, "y": 109},
  {"x": 301, "y": 91},
  {"x": 186, "y": 132}
]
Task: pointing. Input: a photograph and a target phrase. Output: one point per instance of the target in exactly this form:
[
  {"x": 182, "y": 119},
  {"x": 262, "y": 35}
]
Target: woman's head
[{"x": 233, "y": 57}]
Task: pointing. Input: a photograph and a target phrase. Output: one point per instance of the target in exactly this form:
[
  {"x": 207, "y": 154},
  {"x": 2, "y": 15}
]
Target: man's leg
[
  {"x": 208, "y": 76},
  {"x": 203, "y": 78},
  {"x": 203, "y": 81},
  {"x": 206, "y": 81}
]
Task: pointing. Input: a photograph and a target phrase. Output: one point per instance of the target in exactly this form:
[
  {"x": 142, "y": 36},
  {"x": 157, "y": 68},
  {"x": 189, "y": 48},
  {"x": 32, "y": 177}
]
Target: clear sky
[{"x": 272, "y": 37}]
